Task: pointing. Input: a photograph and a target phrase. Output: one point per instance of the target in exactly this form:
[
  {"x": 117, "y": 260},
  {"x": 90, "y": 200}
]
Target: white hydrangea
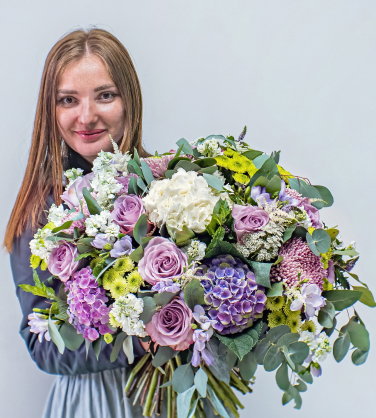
[
  {"x": 56, "y": 214},
  {"x": 41, "y": 246},
  {"x": 126, "y": 312},
  {"x": 209, "y": 148},
  {"x": 106, "y": 167},
  {"x": 195, "y": 250},
  {"x": 185, "y": 199},
  {"x": 101, "y": 223}
]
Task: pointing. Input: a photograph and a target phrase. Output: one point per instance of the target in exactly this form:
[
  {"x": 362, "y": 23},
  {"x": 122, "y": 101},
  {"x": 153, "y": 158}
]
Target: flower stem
[
  {"x": 135, "y": 370},
  {"x": 147, "y": 408}
]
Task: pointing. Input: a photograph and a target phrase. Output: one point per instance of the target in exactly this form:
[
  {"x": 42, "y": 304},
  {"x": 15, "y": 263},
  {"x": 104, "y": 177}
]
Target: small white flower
[
  {"x": 126, "y": 311},
  {"x": 209, "y": 148},
  {"x": 56, "y": 214},
  {"x": 40, "y": 245},
  {"x": 101, "y": 223},
  {"x": 195, "y": 250}
]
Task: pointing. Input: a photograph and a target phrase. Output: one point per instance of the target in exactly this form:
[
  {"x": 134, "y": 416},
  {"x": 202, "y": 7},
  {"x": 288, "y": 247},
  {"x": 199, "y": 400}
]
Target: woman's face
[{"x": 89, "y": 108}]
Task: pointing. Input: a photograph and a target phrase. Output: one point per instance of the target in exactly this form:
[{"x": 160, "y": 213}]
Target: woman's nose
[{"x": 87, "y": 114}]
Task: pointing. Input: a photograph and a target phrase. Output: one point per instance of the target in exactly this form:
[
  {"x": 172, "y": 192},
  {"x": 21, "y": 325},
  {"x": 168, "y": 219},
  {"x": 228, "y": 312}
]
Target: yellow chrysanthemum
[
  {"x": 325, "y": 257},
  {"x": 134, "y": 281},
  {"x": 276, "y": 318},
  {"x": 241, "y": 178},
  {"x": 119, "y": 287},
  {"x": 95, "y": 261},
  {"x": 284, "y": 173},
  {"x": 308, "y": 326},
  {"x": 109, "y": 277},
  {"x": 35, "y": 261},
  {"x": 276, "y": 303},
  {"x": 326, "y": 285},
  {"x": 108, "y": 338},
  {"x": 294, "y": 323},
  {"x": 124, "y": 264}
]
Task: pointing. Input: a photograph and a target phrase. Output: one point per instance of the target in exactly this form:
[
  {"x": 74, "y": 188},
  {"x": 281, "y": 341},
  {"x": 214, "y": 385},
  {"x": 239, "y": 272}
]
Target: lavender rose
[
  {"x": 61, "y": 261},
  {"x": 162, "y": 260},
  {"x": 73, "y": 194},
  {"x": 127, "y": 211},
  {"x": 248, "y": 219},
  {"x": 171, "y": 325}
]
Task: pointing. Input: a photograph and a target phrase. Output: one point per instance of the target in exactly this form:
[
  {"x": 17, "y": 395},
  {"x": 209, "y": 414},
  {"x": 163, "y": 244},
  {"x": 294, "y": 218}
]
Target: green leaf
[
  {"x": 85, "y": 255},
  {"x": 209, "y": 170},
  {"x": 192, "y": 411},
  {"x": 162, "y": 299},
  {"x": 206, "y": 163},
  {"x": 136, "y": 157},
  {"x": 187, "y": 148},
  {"x": 273, "y": 358},
  {"x": 164, "y": 354},
  {"x": 322, "y": 240},
  {"x": 326, "y": 315},
  {"x": 299, "y": 351},
  {"x": 187, "y": 166},
  {"x": 217, "y": 403},
  {"x": 282, "y": 377},
  {"x": 148, "y": 175},
  {"x": 149, "y": 309},
  {"x": 40, "y": 289},
  {"x": 169, "y": 173},
  {"x": 275, "y": 290},
  {"x": 132, "y": 186},
  {"x": 325, "y": 195},
  {"x": 304, "y": 189},
  {"x": 267, "y": 176},
  {"x": 359, "y": 335},
  {"x": 183, "y": 402},
  {"x": 194, "y": 294},
  {"x": 92, "y": 204},
  {"x": 97, "y": 346},
  {"x": 137, "y": 254},
  {"x": 248, "y": 366},
  {"x": 342, "y": 299},
  {"x": 117, "y": 346},
  {"x": 55, "y": 335},
  {"x": 219, "y": 368},
  {"x": 252, "y": 154},
  {"x": 261, "y": 348},
  {"x": 288, "y": 339},
  {"x": 201, "y": 382},
  {"x": 311, "y": 244},
  {"x": 87, "y": 346},
  {"x": 341, "y": 346},
  {"x": 293, "y": 391},
  {"x": 262, "y": 272},
  {"x": 367, "y": 296},
  {"x": 286, "y": 398},
  {"x": 141, "y": 228},
  {"x": 174, "y": 161},
  {"x": 259, "y": 161},
  {"x": 128, "y": 349},
  {"x": 350, "y": 253},
  {"x": 214, "y": 182},
  {"x": 276, "y": 333},
  {"x": 359, "y": 357},
  {"x": 243, "y": 342},
  {"x": 65, "y": 225},
  {"x": 183, "y": 378},
  {"x": 141, "y": 184},
  {"x": 72, "y": 339},
  {"x": 301, "y": 386},
  {"x": 134, "y": 168},
  {"x": 184, "y": 235},
  {"x": 62, "y": 304}
]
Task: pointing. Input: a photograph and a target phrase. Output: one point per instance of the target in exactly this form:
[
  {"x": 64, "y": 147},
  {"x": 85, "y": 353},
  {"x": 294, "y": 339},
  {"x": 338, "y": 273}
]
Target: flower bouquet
[{"x": 213, "y": 253}]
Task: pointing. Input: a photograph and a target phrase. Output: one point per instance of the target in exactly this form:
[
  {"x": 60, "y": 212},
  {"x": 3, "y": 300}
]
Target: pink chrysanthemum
[
  {"x": 158, "y": 165},
  {"x": 298, "y": 257}
]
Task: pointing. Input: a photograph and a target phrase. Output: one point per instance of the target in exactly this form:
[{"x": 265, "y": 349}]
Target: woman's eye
[
  {"x": 67, "y": 100},
  {"x": 107, "y": 96}
]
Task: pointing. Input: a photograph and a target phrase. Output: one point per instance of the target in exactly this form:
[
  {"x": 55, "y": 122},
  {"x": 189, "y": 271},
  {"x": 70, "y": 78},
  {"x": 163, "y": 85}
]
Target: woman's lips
[{"x": 92, "y": 134}]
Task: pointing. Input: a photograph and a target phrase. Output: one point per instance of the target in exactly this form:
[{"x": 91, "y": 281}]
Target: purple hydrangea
[
  {"x": 87, "y": 310},
  {"x": 232, "y": 296}
]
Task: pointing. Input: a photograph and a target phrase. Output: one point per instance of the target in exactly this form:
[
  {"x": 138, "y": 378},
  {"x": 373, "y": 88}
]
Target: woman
[{"x": 89, "y": 90}]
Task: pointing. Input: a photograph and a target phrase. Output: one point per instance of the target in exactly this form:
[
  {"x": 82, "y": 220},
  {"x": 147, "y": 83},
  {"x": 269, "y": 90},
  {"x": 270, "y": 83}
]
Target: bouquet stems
[{"x": 147, "y": 408}]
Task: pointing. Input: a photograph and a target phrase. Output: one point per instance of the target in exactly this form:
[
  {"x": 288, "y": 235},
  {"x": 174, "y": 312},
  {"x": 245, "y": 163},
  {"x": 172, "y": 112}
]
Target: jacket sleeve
[{"x": 45, "y": 353}]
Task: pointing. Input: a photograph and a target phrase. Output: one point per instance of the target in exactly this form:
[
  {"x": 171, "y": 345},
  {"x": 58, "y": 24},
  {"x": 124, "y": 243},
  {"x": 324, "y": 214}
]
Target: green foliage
[
  {"x": 40, "y": 289},
  {"x": 359, "y": 357},
  {"x": 359, "y": 336},
  {"x": 187, "y": 165},
  {"x": 141, "y": 228},
  {"x": 162, "y": 299},
  {"x": 183, "y": 378},
  {"x": 242, "y": 343},
  {"x": 182, "y": 236},
  {"x": 148, "y": 175},
  {"x": 273, "y": 358},
  {"x": 55, "y": 335},
  {"x": 85, "y": 255},
  {"x": 341, "y": 346},
  {"x": 92, "y": 204},
  {"x": 149, "y": 309},
  {"x": 367, "y": 296},
  {"x": 65, "y": 225},
  {"x": 282, "y": 377},
  {"x": 342, "y": 299},
  {"x": 275, "y": 290},
  {"x": 267, "y": 176},
  {"x": 262, "y": 272},
  {"x": 217, "y": 403},
  {"x": 163, "y": 355},
  {"x": 248, "y": 366},
  {"x": 326, "y": 197},
  {"x": 207, "y": 162},
  {"x": 137, "y": 254},
  {"x": 194, "y": 294},
  {"x": 201, "y": 381},
  {"x": 132, "y": 186},
  {"x": 183, "y": 402},
  {"x": 319, "y": 241},
  {"x": 219, "y": 368},
  {"x": 305, "y": 189},
  {"x": 117, "y": 346},
  {"x": 97, "y": 346},
  {"x": 326, "y": 315},
  {"x": 134, "y": 168},
  {"x": 214, "y": 182},
  {"x": 72, "y": 339},
  {"x": 187, "y": 148},
  {"x": 128, "y": 349},
  {"x": 252, "y": 154}
]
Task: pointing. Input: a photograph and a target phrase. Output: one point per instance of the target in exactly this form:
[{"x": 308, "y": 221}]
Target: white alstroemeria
[
  {"x": 101, "y": 223},
  {"x": 56, "y": 214},
  {"x": 126, "y": 312},
  {"x": 39, "y": 325},
  {"x": 205, "y": 323}
]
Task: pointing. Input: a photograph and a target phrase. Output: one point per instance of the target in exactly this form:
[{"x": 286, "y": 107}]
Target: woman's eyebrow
[
  {"x": 104, "y": 87},
  {"x": 67, "y": 91}
]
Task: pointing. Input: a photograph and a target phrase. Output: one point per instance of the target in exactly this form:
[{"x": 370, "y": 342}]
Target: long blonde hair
[{"x": 44, "y": 171}]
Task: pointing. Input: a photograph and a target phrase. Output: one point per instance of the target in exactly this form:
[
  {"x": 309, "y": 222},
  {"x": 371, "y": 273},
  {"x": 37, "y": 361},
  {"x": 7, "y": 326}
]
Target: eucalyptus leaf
[
  {"x": 359, "y": 335},
  {"x": 288, "y": 339},
  {"x": 163, "y": 355},
  {"x": 162, "y": 299},
  {"x": 141, "y": 228},
  {"x": 65, "y": 225},
  {"x": 248, "y": 366},
  {"x": 184, "y": 235},
  {"x": 187, "y": 148},
  {"x": 262, "y": 272},
  {"x": 259, "y": 160},
  {"x": 117, "y": 346},
  {"x": 322, "y": 240},
  {"x": 367, "y": 296},
  {"x": 55, "y": 335},
  {"x": 341, "y": 346},
  {"x": 187, "y": 166},
  {"x": 273, "y": 358},
  {"x": 326, "y": 315},
  {"x": 128, "y": 349},
  {"x": 301, "y": 386},
  {"x": 252, "y": 154},
  {"x": 97, "y": 346},
  {"x": 275, "y": 290},
  {"x": 214, "y": 182},
  {"x": 132, "y": 186},
  {"x": 92, "y": 204},
  {"x": 217, "y": 403},
  {"x": 136, "y": 157},
  {"x": 299, "y": 351},
  {"x": 194, "y": 294},
  {"x": 206, "y": 162},
  {"x": 183, "y": 378},
  {"x": 304, "y": 189},
  {"x": 342, "y": 299},
  {"x": 359, "y": 357},
  {"x": 201, "y": 382},
  {"x": 149, "y": 309},
  {"x": 267, "y": 176},
  {"x": 312, "y": 245},
  {"x": 72, "y": 339},
  {"x": 137, "y": 254},
  {"x": 183, "y": 402},
  {"x": 134, "y": 168},
  {"x": 325, "y": 195},
  {"x": 282, "y": 377},
  {"x": 219, "y": 368},
  {"x": 174, "y": 161}
]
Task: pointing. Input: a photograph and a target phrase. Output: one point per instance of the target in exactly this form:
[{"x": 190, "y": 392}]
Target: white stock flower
[
  {"x": 126, "y": 312},
  {"x": 185, "y": 199},
  {"x": 56, "y": 214},
  {"x": 209, "y": 148},
  {"x": 40, "y": 245},
  {"x": 101, "y": 223},
  {"x": 195, "y": 250}
]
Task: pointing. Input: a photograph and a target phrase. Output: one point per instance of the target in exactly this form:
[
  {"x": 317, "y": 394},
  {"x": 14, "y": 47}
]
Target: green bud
[
  {"x": 193, "y": 326},
  {"x": 247, "y": 192},
  {"x": 108, "y": 247},
  {"x": 108, "y": 338}
]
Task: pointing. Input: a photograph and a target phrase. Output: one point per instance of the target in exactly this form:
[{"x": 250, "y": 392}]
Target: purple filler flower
[
  {"x": 166, "y": 285},
  {"x": 122, "y": 247},
  {"x": 248, "y": 219},
  {"x": 159, "y": 165}
]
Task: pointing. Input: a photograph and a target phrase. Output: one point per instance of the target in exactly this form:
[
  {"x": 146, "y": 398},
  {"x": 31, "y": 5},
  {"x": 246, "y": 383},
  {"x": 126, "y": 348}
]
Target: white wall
[{"x": 299, "y": 74}]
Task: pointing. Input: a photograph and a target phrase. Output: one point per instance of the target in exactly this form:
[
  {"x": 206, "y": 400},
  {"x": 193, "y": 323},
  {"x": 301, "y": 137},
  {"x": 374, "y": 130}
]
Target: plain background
[{"x": 299, "y": 74}]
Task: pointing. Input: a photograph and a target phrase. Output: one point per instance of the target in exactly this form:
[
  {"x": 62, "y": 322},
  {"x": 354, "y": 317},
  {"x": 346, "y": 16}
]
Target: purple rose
[
  {"x": 162, "y": 260},
  {"x": 312, "y": 212},
  {"x": 171, "y": 325},
  {"x": 248, "y": 219},
  {"x": 61, "y": 261},
  {"x": 73, "y": 194},
  {"x": 124, "y": 180},
  {"x": 122, "y": 247},
  {"x": 127, "y": 211}
]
